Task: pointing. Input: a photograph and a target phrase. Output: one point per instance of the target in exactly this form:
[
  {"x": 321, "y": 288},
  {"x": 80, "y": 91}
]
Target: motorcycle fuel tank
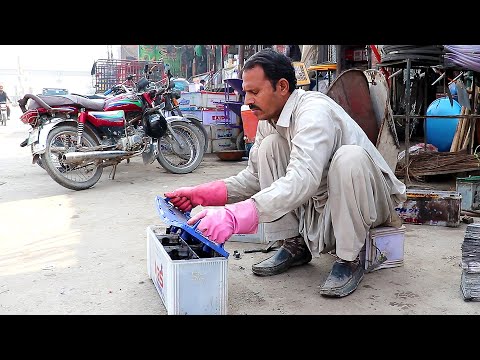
[
  {"x": 126, "y": 102},
  {"x": 107, "y": 118}
]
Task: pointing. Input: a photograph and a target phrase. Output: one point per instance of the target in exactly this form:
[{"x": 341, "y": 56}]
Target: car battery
[
  {"x": 469, "y": 188},
  {"x": 384, "y": 248},
  {"x": 431, "y": 207},
  {"x": 189, "y": 271}
]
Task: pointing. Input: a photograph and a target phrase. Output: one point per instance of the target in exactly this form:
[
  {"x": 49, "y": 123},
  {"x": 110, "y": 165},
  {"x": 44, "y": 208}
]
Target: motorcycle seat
[{"x": 68, "y": 100}]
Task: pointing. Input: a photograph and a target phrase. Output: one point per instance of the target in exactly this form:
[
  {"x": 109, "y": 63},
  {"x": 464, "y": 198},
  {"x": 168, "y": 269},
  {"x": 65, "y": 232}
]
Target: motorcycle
[
  {"x": 167, "y": 95},
  {"x": 170, "y": 98},
  {"x": 3, "y": 113},
  {"x": 78, "y": 137}
]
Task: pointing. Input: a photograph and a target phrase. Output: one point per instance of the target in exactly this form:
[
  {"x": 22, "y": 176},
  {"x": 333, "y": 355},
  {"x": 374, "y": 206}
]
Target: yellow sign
[{"x": 301, "y": 73}]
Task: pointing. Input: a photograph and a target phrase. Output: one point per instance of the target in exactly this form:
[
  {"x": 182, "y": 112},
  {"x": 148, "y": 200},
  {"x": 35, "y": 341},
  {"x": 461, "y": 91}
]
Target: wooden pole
[{"x": 241, "y": 59}]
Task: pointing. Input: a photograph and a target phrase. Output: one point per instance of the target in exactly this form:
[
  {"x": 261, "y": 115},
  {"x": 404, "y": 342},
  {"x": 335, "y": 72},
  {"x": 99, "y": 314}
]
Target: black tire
[
  {"x": 203, "y": 135},
  {"x": 240, "y": 142},
  {"x": 177, "y": 160},
  {"x": 82, "y": 177},
  {"x": 202, "y": 130}
]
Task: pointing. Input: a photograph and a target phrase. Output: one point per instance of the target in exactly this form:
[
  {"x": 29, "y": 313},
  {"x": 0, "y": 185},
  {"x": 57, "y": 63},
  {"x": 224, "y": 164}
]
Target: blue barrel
[{"x": 440, "y": 132}]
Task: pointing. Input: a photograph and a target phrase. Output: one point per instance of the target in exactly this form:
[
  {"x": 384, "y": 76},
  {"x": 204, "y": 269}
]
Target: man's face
[{"x": 265, "y": 101}]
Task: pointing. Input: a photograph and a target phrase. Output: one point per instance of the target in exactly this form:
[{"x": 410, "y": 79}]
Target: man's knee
[
  {"x": 346, "y": 159},
  {"x": 271, "y": 144}
]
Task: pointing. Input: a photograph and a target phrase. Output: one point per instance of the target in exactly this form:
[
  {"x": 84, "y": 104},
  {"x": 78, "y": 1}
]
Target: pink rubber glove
[
  {"x": 210, "y": 194},
  {"x": 218, "y": 225}
]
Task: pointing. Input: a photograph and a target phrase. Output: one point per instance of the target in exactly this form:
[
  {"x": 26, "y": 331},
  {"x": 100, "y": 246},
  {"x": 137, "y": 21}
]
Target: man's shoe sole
[
  {"x": 341, "y": 292},
  {"x": 264, "y": 271}
]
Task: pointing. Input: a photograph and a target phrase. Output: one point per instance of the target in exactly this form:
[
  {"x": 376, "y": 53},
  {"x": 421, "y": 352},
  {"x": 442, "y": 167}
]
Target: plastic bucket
[
  {"x": 250, "y": 122},
  {"x": 440, "y": 131}
]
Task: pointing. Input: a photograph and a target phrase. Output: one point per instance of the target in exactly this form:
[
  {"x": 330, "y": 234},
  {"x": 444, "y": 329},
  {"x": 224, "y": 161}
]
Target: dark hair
[{"x": 275, "y": 65}]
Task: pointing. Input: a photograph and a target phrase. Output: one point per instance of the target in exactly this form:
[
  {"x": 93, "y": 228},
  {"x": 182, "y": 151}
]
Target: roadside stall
[{"x": 434, "y": 96}]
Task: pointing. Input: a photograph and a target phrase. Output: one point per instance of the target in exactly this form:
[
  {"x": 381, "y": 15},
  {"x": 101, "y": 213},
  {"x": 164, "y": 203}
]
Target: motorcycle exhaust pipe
[{"x": 77, "y": 157}]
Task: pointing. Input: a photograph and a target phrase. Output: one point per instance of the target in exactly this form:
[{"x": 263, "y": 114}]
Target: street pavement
[{"x": 84, "y": 252}]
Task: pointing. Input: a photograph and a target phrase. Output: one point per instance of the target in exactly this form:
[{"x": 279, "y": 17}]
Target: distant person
[
  {"x": 3, "y": 99},
  {"x": 202, "y": 85},
  {"x": 294, "y": 52}
]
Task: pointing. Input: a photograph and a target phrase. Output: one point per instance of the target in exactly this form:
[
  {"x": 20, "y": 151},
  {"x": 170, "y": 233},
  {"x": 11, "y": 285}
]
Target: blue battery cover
[{"x": 177, "y": 218}]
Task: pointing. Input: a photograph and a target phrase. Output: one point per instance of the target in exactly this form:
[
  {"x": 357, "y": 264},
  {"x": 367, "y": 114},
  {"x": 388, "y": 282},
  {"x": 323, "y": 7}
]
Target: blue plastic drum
[{"x": 440, "y": 131}]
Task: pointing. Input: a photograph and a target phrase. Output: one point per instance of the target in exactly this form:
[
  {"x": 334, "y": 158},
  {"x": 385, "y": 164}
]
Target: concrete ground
[{"x": 68, "y": 252}]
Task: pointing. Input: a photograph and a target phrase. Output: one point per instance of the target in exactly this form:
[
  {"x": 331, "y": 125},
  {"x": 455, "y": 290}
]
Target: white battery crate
[
  {"x": 384, "y": 248},
  {"x": 187, "y": 283},
  {"x": 258, "y": 237}
]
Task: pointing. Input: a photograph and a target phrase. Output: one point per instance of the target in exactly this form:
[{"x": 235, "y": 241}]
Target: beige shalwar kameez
[{"x": 317, "y": 174}]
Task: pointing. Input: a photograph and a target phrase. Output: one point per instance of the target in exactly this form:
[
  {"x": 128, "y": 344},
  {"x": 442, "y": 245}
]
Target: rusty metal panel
[
  {"x": 387, "y": 141},
  {"x": 431, "y": 207},
  {"x": 351, "y": 91}
]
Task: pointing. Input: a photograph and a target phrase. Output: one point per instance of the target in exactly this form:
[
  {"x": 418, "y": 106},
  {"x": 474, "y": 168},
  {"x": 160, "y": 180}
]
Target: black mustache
[{"x": 253, "y": 107}]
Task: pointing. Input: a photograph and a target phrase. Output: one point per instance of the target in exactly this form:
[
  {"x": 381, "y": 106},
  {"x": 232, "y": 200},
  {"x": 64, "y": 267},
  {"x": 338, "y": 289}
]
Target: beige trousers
[{"x": 357, "y": 199}]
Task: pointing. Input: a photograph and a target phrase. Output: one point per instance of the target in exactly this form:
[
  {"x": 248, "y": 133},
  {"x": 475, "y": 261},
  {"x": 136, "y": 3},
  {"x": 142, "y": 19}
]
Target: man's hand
[
  {"x": 210, "y": 194},
  {"x": 218, "y": 225}
]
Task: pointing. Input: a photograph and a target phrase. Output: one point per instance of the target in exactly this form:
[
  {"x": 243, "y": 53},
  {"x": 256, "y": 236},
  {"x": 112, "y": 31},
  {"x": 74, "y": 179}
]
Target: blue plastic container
[{"x": 440, "y": 131}]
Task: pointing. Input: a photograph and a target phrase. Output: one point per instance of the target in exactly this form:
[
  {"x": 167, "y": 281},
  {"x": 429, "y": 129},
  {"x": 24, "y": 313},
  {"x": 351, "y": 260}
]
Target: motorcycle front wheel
[
  {"x": 184, "y": 156},
  {"x": 201, "y": 129},
  {"x": 61, "y": 140}
]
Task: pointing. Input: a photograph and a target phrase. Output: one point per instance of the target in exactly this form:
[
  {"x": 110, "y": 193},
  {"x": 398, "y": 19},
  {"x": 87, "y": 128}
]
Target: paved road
[{"x": 68, "y": 252}]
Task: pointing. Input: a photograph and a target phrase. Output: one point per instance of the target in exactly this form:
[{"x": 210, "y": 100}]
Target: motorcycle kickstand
[{"x": 112, "y": 173}]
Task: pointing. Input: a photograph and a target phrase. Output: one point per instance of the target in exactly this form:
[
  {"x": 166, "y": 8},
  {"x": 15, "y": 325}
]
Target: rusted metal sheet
[
  {"x": 351, "y": 91},
  {"x": 387, "y": 141},
  {"x": 431, "y": 207}
]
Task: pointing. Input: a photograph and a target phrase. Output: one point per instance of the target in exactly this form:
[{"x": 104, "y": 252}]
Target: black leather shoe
[
  {"x": 281, "y": 262},
  {"x": 343, "y": 278}
]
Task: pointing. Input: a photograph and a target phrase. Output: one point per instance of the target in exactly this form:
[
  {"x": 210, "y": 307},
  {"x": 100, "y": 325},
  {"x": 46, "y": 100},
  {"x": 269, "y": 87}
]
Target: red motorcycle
[{"x": 77, "y": 137}]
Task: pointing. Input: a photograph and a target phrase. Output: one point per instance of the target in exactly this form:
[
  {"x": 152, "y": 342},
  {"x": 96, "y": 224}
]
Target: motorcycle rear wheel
[
  {"x": 177, "y": 159},
  {"x": 61, "y": 140}
]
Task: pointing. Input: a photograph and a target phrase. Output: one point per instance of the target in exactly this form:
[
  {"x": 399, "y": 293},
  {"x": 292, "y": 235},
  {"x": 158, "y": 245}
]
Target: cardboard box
[
  {"x": 205, "y": 99},
  {"x": 217, "y": 117},
  {"x": 223, "y": 144},
  {"x": 188, "y": 282},
  {"x": 431, "y": 207},
  {"x": 223, "y": 131}
]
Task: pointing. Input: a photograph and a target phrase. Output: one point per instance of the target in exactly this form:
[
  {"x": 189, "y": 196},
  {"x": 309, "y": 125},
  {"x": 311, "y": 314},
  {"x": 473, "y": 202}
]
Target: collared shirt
[
  {"x": 315, "y": 127},
  {"x": 3, "y": 96}
]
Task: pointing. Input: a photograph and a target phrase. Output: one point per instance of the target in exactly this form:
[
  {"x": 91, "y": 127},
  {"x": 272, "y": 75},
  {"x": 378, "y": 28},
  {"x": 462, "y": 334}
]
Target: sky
[{"x": 53, "y": 57}]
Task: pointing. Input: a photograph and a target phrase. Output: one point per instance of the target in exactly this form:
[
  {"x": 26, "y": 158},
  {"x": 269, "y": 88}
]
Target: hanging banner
[{"x": 148, "y": 53}]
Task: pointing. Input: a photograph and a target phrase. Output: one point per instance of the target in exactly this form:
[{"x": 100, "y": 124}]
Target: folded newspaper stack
[{"x": 470, "y": 280}]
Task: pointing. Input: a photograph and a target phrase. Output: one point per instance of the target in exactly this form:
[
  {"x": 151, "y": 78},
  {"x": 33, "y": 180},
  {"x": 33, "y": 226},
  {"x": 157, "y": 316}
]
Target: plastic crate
[{"x": 109, "y": 72}]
